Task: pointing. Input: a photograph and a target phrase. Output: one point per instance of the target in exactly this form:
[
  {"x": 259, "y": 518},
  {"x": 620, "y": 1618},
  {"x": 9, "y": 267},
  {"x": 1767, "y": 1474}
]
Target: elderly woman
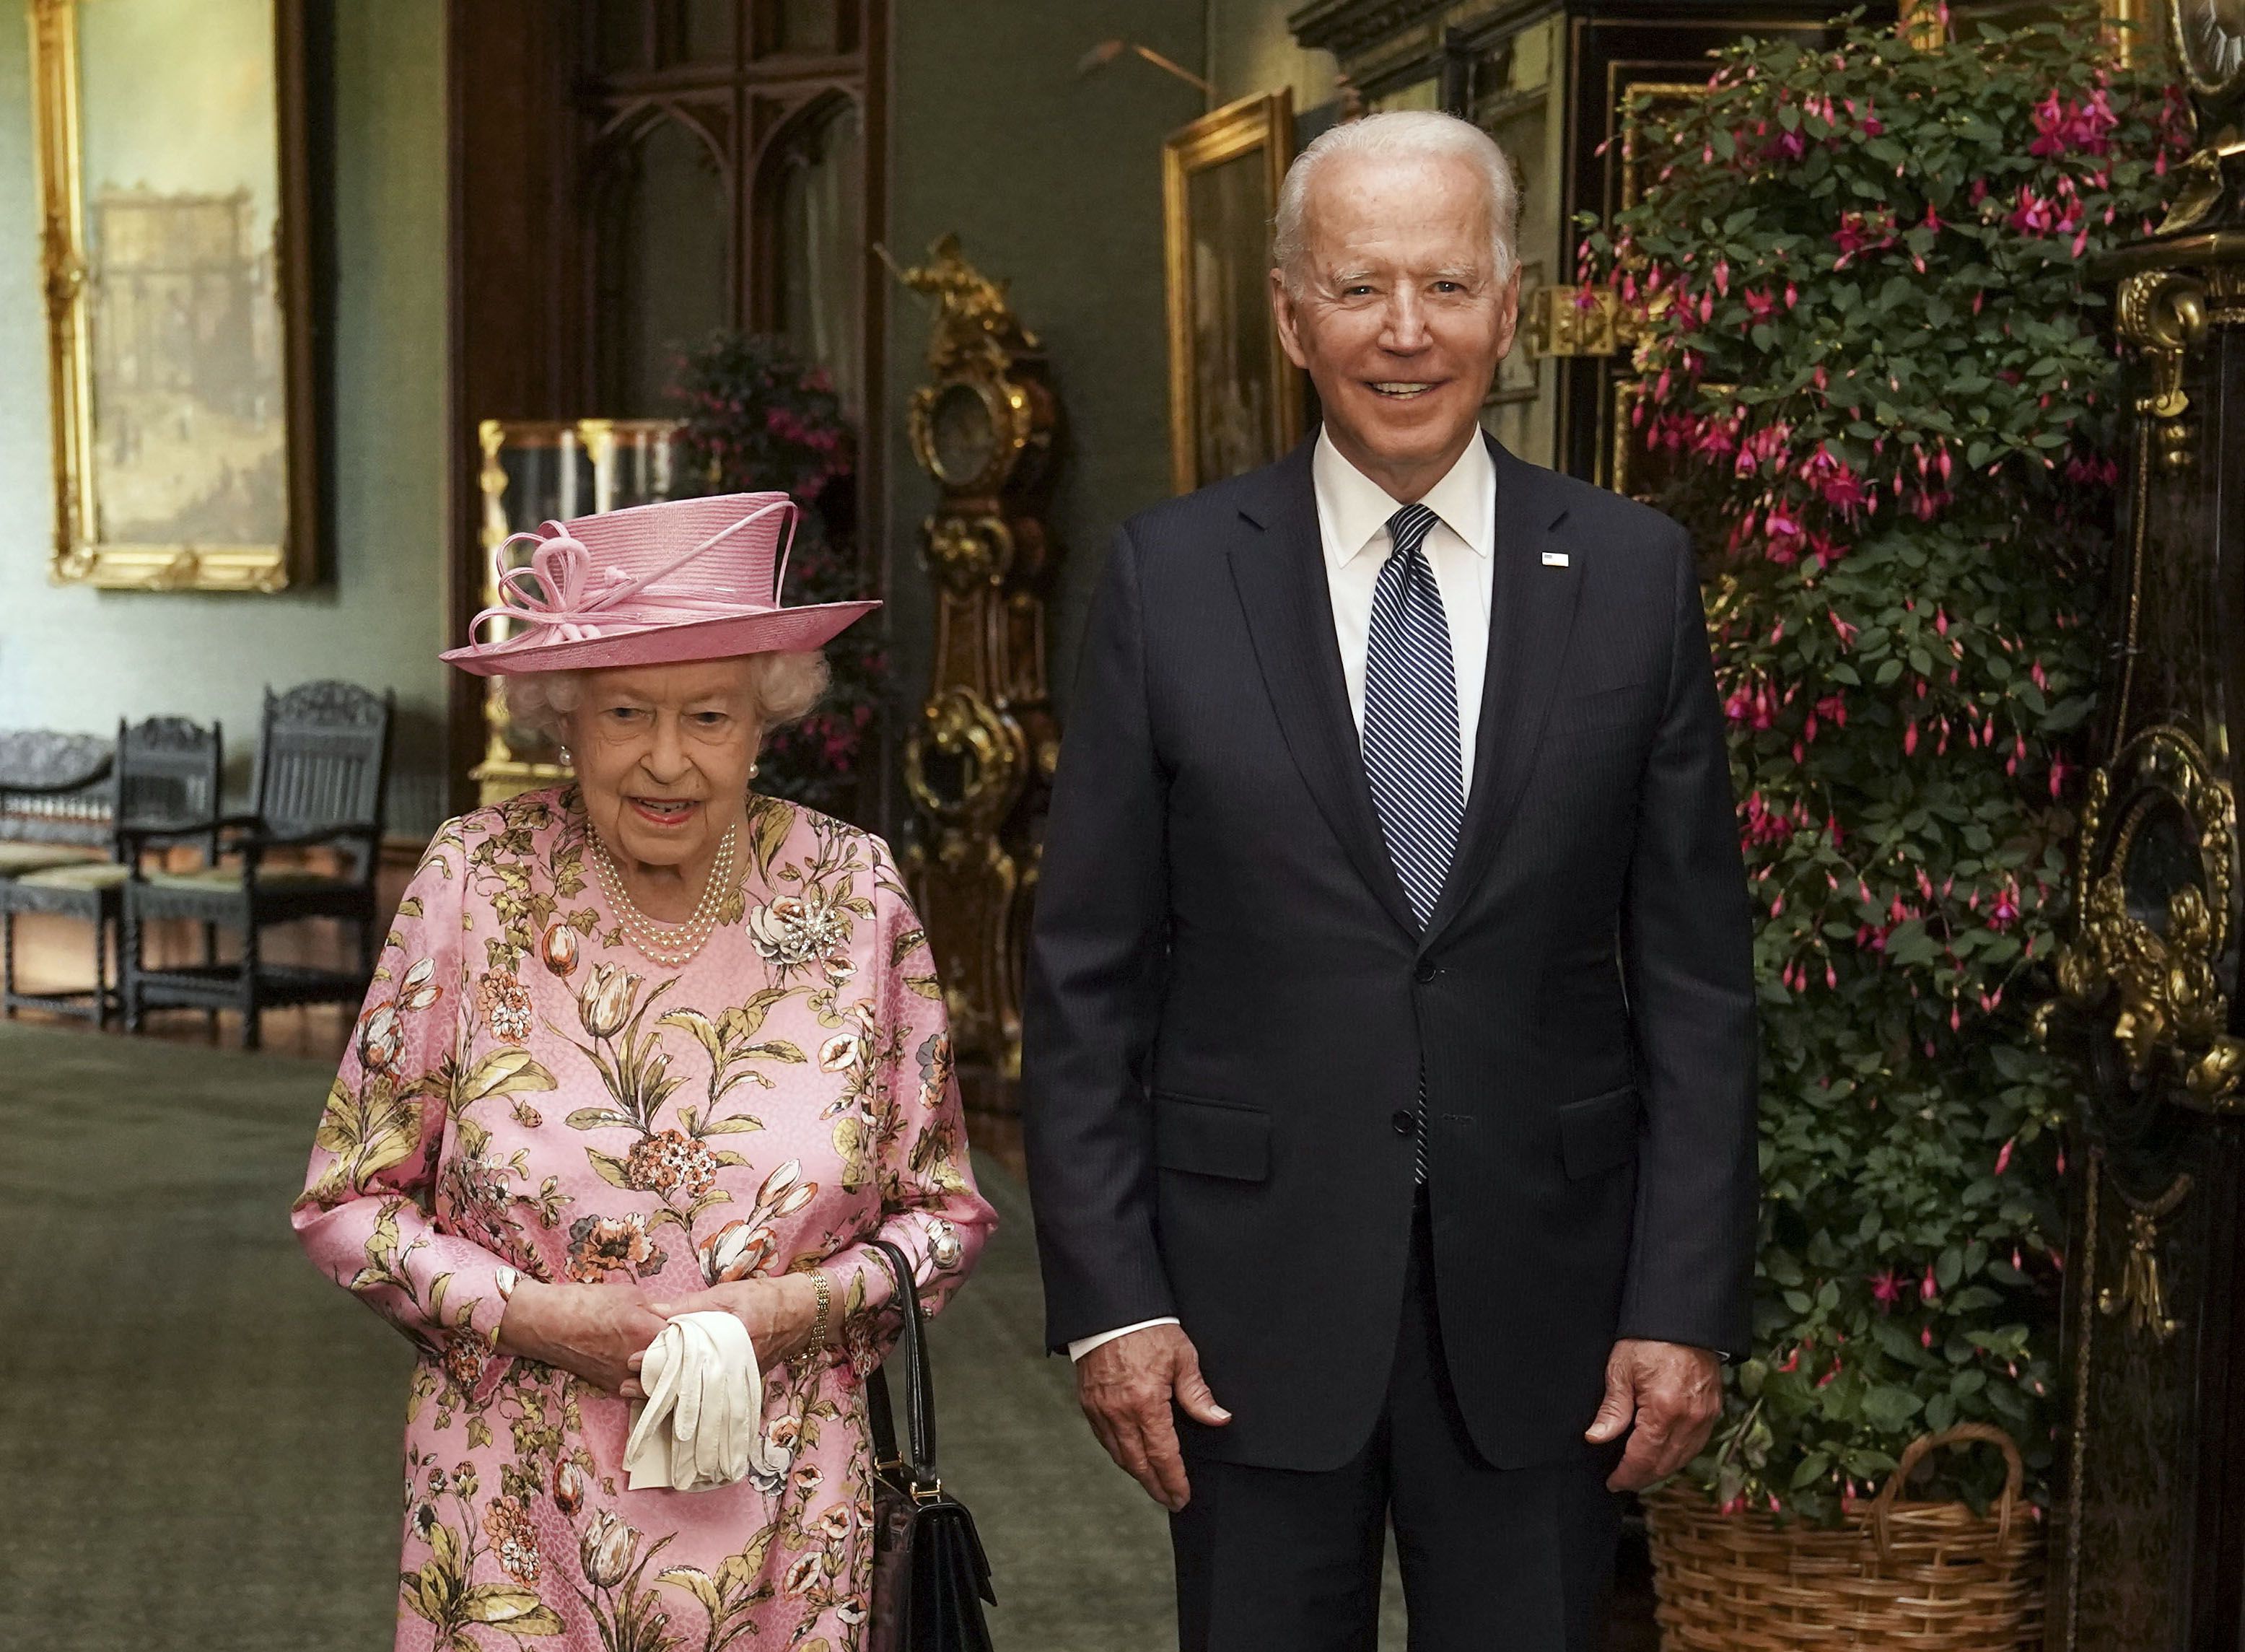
[{"x": 645, "y": 1045}]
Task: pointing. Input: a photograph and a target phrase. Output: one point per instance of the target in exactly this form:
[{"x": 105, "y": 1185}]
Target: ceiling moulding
[{"x": 1385, "y": 43}]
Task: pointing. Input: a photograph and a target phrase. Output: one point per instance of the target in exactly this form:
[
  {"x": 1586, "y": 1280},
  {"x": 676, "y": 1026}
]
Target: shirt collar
[{"x": 1356, "y": 509}]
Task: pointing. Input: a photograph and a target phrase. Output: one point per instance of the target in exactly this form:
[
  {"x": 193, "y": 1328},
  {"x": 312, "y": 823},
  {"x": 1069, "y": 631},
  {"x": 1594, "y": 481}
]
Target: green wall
[
  {"x": 1054, "y": 183},
  {"x": 76, "y": 658}
]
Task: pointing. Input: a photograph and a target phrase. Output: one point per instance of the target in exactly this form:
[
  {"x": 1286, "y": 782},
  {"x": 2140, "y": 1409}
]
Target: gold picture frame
[
  {"x": 1236, "y": 402},
  {"x": 173, "y": 216}
]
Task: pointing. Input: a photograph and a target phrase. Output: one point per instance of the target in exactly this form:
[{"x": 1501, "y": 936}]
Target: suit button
[
  {"x": 1425, "y": 972},
  {"x": 1405, "y": 1123}
]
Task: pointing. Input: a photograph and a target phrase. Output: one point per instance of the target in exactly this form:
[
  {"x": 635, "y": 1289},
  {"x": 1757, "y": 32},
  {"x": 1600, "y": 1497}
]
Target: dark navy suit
[{"x": 1232, "y": 1007}]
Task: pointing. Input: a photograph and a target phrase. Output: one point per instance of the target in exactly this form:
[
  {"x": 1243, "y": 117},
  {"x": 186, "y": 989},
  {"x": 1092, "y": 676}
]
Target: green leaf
[
  {"x": 696, "y": 1582},
  {"x": 704, "y": 1031},
  {"x": 504, "y": 1072},
  {"x": 1889, "y": 1408},
  {"x": 601, "y": 1118},
  {"x": 518, "y": 1611}
]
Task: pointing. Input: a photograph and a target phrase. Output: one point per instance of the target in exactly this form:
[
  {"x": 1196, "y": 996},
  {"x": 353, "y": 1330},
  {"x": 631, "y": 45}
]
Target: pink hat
[{"x": 599, "y": 590}]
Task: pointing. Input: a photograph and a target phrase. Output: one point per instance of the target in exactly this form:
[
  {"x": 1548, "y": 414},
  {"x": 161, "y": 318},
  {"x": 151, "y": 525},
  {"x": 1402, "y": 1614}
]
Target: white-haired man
[{"x": 1390, "y": 1050}]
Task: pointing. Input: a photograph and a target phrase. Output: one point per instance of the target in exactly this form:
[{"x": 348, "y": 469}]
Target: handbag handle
[{"x": 919, "y": 1386}]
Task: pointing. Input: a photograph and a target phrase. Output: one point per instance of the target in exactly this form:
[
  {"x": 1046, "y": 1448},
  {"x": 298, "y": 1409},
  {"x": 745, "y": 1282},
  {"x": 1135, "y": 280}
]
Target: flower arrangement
[
  {"x": 1875, "y": 368},
  {"x": 756, "y": 417}
]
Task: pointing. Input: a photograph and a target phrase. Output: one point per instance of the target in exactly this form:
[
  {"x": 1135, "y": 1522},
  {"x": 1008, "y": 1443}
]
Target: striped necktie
[{"x": 1411, "y": 752}]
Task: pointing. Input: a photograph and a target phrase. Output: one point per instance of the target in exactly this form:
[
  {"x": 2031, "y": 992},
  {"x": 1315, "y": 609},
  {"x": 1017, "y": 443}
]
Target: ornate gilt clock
[
  {"x": 978, "y": 761},
  {"x": 2148, "y": 1539}
]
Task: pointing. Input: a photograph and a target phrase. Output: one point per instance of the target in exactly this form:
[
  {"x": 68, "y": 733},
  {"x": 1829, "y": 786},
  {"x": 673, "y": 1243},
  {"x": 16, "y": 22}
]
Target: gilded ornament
[
  {"x": 2164, "y": 314},
  {"x": 974, "y": 763},
  {"x": 2158, "y": 982},
  {"x": 2142, "y": 1295}
]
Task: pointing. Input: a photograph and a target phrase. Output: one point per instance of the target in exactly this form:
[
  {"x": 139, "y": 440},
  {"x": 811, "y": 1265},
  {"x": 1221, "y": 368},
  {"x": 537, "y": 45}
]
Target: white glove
[{"x": 702, "y": 1422}]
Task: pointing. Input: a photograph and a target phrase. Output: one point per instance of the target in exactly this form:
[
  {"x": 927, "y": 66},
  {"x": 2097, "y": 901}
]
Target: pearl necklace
[{"x": 672, "y": 946}]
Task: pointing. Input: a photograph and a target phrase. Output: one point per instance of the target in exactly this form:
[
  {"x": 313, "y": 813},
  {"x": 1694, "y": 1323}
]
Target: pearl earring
[
  {"x": 752, "y": 769},
  {"x": 566, "y": 760}
]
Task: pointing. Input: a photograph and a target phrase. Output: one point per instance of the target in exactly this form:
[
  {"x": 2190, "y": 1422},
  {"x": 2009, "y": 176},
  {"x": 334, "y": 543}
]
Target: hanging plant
[
  {"x": 1878, "y": 373},
  {"x": 757, "y": 418}
]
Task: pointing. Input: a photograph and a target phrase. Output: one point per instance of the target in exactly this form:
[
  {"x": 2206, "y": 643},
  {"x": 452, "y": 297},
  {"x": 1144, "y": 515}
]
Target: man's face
[{"x": 1400, "y": 317}]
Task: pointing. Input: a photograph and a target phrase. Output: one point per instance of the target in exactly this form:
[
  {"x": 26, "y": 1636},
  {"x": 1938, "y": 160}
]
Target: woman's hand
[
  {"x": 596, "y": 1332},
  {"x": 779, "y": 1314}
]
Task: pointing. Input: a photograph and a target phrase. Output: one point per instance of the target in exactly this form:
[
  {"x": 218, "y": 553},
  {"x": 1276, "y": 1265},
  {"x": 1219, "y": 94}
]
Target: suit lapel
[
  {"x": 1531, "y": 614},
  {"x": 1279, "y": 569}
]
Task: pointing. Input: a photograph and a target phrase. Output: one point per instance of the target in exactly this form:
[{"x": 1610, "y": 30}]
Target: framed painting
[
  {"x": 1235, "y": 400},
  {"x": 172, "y": 198}
]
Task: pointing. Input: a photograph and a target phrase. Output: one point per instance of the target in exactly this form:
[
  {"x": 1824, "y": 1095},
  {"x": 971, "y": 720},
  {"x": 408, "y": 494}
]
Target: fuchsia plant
[
  {"x": 1872, "y": 350},
  {"x": 756, "y": 417}
]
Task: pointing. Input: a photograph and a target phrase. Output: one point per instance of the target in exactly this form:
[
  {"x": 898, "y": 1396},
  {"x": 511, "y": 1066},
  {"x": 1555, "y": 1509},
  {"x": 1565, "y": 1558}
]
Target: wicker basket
[{"x": 1924, "y": 1577}]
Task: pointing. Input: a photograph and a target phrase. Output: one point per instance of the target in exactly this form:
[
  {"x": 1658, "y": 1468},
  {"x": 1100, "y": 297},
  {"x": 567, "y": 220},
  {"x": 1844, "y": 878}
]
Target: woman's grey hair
[
  {"x": 1399, "y": 134},
  {"x": 784, "y": 686}
]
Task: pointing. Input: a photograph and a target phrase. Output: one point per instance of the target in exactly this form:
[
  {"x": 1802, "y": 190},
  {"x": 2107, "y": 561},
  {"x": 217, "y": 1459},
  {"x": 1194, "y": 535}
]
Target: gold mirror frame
[
  {"x": 2157, "y": 991},
  {"x": 80, "y": 555}
]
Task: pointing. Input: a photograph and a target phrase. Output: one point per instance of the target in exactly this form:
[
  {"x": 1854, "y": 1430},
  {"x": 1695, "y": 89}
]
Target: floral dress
[{"x": 526, "y": 1097}]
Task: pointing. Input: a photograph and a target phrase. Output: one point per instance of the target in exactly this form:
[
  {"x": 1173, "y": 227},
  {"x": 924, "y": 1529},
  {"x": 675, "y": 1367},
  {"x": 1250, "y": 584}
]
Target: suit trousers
[{"x": 1493, "y": 1559}]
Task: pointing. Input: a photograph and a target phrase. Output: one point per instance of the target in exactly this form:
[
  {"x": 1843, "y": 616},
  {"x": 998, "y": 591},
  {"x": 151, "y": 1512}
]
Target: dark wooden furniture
[
  {"x": 166, "y": 770},
  {"x": 54, "y": 798},
  {"x": 321, "y": 775}
]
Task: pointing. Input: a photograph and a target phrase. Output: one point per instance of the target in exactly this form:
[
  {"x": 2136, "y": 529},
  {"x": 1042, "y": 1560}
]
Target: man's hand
[
  {"x": 1673, "y": 1394},
  {"x": 1126, "y": 1388}
]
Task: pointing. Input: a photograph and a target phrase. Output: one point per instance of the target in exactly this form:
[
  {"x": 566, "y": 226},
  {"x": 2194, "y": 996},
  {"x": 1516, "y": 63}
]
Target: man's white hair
[{"x": 1399, "y": 134}]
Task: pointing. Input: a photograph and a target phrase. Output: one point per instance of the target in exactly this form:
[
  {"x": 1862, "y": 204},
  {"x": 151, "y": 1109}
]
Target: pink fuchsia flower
[
  {"x": 2060, "y": 127},
  {"x": 1886, "y": 1289}
]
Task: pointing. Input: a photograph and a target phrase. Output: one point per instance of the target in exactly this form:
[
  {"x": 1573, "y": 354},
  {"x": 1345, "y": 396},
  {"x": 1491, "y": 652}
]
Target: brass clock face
[{"x": 2212, "y": 36}]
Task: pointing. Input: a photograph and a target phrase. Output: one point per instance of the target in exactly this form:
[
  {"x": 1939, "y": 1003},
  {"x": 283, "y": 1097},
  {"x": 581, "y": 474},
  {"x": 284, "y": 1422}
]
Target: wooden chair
[
  {"x": 54, "y": 798},
  {"x": 321, "y": 780},
  {"x": 167, "y": 772}
]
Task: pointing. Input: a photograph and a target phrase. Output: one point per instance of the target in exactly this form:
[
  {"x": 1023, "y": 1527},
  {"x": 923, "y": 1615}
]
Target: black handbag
[{"x": 930, "y": 1575}]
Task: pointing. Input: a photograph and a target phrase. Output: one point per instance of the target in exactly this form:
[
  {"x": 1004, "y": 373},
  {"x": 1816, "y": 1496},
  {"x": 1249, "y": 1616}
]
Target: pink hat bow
[{"x": 600, "y": 591}]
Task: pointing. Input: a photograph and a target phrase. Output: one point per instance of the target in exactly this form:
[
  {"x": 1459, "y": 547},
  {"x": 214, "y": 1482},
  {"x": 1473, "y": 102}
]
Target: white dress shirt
[{"x": 1352, "y": 513}]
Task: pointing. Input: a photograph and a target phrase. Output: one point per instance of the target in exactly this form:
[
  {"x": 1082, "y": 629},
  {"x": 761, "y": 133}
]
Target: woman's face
[{"x": 663, "y": 755}]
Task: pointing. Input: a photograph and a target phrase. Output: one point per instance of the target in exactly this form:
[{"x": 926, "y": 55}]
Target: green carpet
[{"x": 198, "y": 1435}]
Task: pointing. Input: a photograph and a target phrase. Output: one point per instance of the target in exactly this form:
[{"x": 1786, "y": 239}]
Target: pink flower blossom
[{"x": 2060, "y": 127}]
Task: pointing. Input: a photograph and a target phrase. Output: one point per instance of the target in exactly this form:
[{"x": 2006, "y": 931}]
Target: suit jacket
[{"x": 1230, "y": 1004}]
